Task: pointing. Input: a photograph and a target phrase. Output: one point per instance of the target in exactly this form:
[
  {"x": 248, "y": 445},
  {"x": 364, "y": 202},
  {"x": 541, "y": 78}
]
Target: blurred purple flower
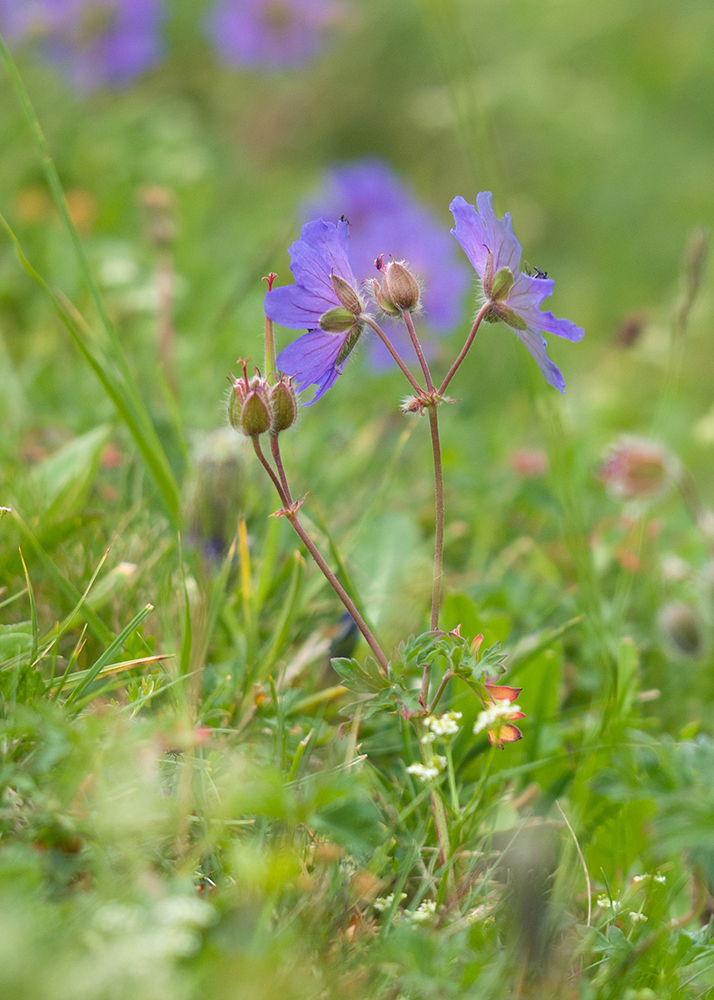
[
  {"x": 95, "y": 42},
  {"x": 270, "y": 33},
  {"x": 385, "y": 218},
  {"x": 494, "y": 251},
  {"x": 324, "y": 299}
]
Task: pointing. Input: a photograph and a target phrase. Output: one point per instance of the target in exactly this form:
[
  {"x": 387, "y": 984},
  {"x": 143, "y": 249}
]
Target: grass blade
[{"x": 107, "y": 655}]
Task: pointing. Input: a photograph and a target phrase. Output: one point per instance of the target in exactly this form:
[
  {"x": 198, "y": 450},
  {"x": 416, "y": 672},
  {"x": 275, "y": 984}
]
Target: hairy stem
[
  {"x": 465, "y": 349},
  {"x": 388, "y": 344},
  {"x": 439, "y": 691},
  {"x": 312, "y": 549},
  {"x": 278, "y": 459},
  {"x": 439, "y": 505},
  {"x": 419, "y": 352}
]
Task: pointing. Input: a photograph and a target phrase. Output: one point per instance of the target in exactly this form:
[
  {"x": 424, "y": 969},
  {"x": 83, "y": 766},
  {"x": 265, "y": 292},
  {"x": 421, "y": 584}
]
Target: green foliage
[{"x": 196, "y": 799}]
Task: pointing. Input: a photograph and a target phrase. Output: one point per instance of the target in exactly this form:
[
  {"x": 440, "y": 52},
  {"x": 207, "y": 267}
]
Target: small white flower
[
  {"x": 660, "y": 878},
  {"x": 636, "y": 917},
  {"x": 491, "y": 715},
  {"x": 443, "y": 725},
  {"x": 423, "y": 913},
  {"x": 427, "y": 738},
  {"x": 383, "y": 903},
  {"x": 425, "y": 772},
  {"x": 641, "y": 878},
  {"x": 606, "y": 903}
]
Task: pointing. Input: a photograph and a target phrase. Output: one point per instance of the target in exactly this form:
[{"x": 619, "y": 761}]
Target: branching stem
[{"x": 439, "y": 506}]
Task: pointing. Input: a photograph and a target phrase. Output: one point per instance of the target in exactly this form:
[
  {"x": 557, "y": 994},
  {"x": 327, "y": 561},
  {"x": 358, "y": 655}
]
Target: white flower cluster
[
  {"x": 605, "y": 902},
  {"x": 644, "y": 878},
  {"x": 383, "y": 903},
  {"x": 636, "y": 918},
  {"x": 441, "y": 725},
  {"x": 427, "y": 772},
  {"x": 493, "y": 714},
  {"x": 423, "y": 913}
]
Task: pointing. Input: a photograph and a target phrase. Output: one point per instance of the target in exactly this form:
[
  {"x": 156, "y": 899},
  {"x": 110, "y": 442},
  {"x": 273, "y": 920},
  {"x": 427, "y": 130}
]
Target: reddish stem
[{"x": 465, "y": 349}]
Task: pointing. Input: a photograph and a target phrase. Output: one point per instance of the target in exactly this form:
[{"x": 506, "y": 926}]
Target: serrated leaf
[{"x": 365, "y": 678}]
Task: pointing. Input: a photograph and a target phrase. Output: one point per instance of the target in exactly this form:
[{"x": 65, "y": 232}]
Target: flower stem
[
  {"x": 440, "y": 690},
  {"x": 439, "y": 504},
  {"x": 291, "y": 515},
  {"x": 388, "y": 344},
  {"x": 419, "y": 353},
  {"x": 278, "y": 459},
  {"x": 269, "y": 337},
  {"x": 465, "y": 349}
]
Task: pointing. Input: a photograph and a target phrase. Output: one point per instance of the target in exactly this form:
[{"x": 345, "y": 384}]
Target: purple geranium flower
[
  {"x": 386, "y": 218},
  {"x": 324, "y": 299},
  {"x": 515, "y": 297},
  {"x": 95, "y": 42},
  {"x": 271, "y": 33}
]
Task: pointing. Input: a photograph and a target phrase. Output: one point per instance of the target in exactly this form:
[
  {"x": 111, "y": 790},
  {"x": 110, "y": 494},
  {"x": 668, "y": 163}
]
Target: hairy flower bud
[
  {"x": 249, "y": 409},
  {"x": 255, "y": 418},
  {"x": 346, "y": 294},
  {"x": 401, "y": 287},
  {"x": 283, "y": 404},
  {"x": 235, "y": 404},
  {"x": 382, "y": 299}
]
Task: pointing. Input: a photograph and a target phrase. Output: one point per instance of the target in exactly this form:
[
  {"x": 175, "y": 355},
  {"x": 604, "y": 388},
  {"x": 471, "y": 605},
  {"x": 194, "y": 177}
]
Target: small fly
[{"x": 534, "y": 272}]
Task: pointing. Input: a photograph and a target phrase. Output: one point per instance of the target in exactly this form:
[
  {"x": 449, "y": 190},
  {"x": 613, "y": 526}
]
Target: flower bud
[
  {"x": 346, "y": 294},
  {"x": 382, "y": 299},
  {"x": 249, "y": 406},
  {"x": 400, "y": 287},
  {"x": 255, "y": 418},
  {"x": 337, "y": 320},
  {"x": 235, "y": 404},
  {"x": 283, "y": 405}
]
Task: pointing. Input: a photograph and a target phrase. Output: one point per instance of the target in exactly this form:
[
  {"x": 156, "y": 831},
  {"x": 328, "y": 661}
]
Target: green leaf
[
  {"x": 364, "y": 677},
  {"x": 15, "y": 640},
  {"x": 61, "y": 481}
]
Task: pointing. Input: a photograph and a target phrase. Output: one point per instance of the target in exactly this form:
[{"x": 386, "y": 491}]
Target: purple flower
[
  {"x": 385, "y": 218},
  {"x": 324, "y": 299},
  {"x": 95, "y": 42},
  {"x": 515, "y": 297},
  {"x": 270, "y": 33}
]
